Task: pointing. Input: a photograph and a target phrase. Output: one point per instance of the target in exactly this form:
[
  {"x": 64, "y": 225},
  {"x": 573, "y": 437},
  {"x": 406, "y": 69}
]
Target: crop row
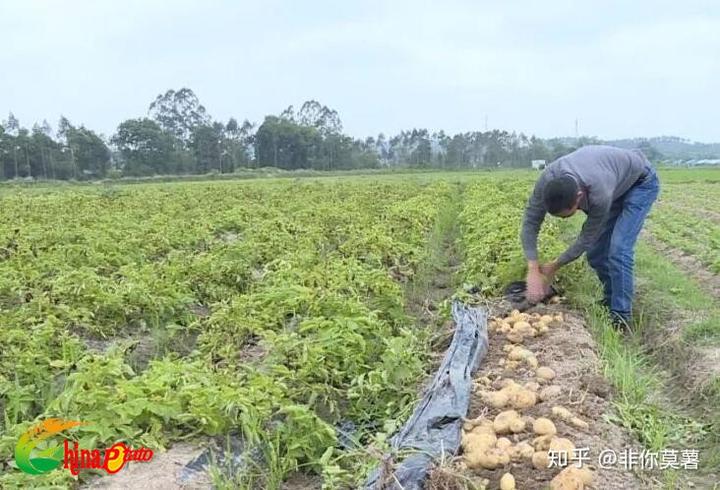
[
  {"x": 275, "y": 310},
  {"x": 688, "y": 232},
  {"x": 490, "y": 223}
]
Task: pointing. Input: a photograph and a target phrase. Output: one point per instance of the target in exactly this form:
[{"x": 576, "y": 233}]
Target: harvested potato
[
  {"x": 579, "y": 423},
  {"x": 523, "y": 398},
  {"x": 517, "y": 426},
  {"x": 584, "y": 473},
  {"x": 572, "y": 478},
  {"x": 546, "y": 318},
  {"x": 542, "y": 443},
  {"x": 544, "y": 426},
  {"x": 508, "y": 421},
  {"x": 480, "y": 459},
  {"x": 503, "y": 443},
  {"x": 550, "y": 392},
  {"x": 519, "y": 353},
  {"x": 507, "y": 482},
  {"x": 562, "y": 445},
  {"x": 496, "y": 399},
  {"x": 562, "y": 413},
  {"x": 524, "y": 450},
  {"x": 508, "y": 347},
  {"x": 478, "y": 442},
  {"x": 484, "y": 427},
  {"x": 540, "y": 460},
  {"x": 544, "y": 373},
  {"x": 523, "y": 327},
  {"x": 532, "y": 362}
]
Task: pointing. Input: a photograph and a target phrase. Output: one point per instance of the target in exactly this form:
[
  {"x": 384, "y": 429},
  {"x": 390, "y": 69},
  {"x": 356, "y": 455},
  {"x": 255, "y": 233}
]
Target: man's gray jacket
[{"x": 604, "y": 173}]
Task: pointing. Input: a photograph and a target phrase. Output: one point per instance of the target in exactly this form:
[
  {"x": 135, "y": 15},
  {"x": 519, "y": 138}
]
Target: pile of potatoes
[
  {"x": 518, "y": 326},
  {"x": 492, "y": 443}
]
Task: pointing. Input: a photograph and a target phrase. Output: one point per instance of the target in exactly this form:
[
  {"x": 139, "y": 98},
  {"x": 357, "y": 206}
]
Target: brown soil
[
  {"x": 570, "y": 351},
  {"x": 160, "y": 473}
]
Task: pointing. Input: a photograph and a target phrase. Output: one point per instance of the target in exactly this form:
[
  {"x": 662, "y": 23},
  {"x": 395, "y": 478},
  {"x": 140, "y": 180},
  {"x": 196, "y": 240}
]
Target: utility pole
[{"x": 577, "y": 132}]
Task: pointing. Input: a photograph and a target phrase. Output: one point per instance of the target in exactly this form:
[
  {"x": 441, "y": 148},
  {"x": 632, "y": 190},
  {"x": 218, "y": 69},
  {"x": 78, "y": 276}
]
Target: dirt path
[
  {"x": 569, "y": 350},
  {"x": 160, "y": 473}
]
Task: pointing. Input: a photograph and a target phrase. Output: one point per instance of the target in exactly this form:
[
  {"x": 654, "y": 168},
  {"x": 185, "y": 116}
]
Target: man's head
[{"x": 562, "y": 196}]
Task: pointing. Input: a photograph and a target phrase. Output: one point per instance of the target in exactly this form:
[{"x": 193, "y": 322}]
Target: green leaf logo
[{"x": 37, "y": 462}]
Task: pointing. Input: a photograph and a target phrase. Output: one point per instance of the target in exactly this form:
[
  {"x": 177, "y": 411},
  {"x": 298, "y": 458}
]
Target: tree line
[{"x": 178, "y": 136}]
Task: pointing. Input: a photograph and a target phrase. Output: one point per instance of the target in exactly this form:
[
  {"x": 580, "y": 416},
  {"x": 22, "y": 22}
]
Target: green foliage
[
  {"x": 490, "y": 224},
  {"x": 292, "y": 290}
]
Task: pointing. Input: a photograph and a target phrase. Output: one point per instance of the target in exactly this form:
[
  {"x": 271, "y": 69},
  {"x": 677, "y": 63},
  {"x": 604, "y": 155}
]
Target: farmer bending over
[{"x": 615, "y": 188}]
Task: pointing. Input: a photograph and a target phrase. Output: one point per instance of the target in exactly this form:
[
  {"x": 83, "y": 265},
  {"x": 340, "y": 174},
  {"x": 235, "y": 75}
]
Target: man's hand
[
  {"x": 536, "y": 286},
  {"x": 548, "y": 270}
]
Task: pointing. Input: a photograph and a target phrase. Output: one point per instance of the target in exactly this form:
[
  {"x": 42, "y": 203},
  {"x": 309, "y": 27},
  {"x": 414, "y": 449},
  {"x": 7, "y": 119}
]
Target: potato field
[{"x": 303, "y": 317}]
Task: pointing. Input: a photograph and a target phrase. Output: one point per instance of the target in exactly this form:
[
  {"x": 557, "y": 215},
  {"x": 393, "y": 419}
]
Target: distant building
[{"x": 538, "y": 164}]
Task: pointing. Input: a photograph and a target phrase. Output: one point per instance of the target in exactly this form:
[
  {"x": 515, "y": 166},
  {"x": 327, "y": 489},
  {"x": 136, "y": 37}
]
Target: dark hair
[{"x": 560, "y": 194}]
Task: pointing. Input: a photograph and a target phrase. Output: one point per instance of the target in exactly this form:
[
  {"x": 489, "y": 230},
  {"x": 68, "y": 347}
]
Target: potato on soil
[
  {"x": 507, "y": 482},
  {"x": 518, "y": 353},
  {"x": 562, "y": 413},
  {"x": 540, "y": 460},
  {"x": 572, "y": 478},
  {"x": 508, "y": 421},
  {"x": 484, "y": 427},
  {"x": 542, "y": 443},
  {"x": 472, "y": 442},
  {"x": 496, "y": 399},
  {"x": 544, "y": 373},
  {"x": 524, "y": 450},
  {"x": 560, "y": 445},
  {"x": 543, "y": 427},
  {"x": 503, "y": 443},
  {"x": 489, "y": 459},
  {"x": 524, "y": 328},
  {"x": 523, "y": 398}
]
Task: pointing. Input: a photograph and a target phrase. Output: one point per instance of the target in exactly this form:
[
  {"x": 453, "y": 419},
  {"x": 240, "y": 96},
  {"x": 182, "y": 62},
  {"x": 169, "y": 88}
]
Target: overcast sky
[{"x": 622, "y": 68}]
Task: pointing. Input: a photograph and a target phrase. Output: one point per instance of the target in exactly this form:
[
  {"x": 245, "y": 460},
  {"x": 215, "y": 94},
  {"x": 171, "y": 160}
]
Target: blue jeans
[{"x": 613, "y": 256}]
